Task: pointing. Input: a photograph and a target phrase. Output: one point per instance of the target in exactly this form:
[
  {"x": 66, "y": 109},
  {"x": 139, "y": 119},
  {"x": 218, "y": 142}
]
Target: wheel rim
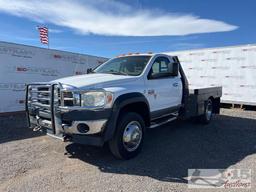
[
  {"x": 132, "y": 136},
  {"x": 209, "y": 110}
]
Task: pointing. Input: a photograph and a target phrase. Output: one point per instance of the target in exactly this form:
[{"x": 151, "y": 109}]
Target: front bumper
[
  {"x": 85, "y": 127},
  {"x": 80, "y": 126},
  {"x": 76, "y": 121},
  {"x": 75, "y": 127}
]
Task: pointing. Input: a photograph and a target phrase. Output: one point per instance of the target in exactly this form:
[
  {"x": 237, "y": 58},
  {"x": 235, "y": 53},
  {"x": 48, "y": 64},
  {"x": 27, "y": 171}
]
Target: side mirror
[
  {"x": 175, "y": 69},
  {"x": 153, "y": 76},
  {"x": 89, "y": 70}
]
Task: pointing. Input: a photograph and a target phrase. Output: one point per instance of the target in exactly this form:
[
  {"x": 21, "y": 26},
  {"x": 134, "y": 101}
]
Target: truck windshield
[{"x": 131, "y": 65}]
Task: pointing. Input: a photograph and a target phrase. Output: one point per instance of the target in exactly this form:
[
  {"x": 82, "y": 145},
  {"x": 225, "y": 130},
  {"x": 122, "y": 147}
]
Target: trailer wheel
[
  {"x": 128, "y": 138},
  {"x": 208, "y": 111}
]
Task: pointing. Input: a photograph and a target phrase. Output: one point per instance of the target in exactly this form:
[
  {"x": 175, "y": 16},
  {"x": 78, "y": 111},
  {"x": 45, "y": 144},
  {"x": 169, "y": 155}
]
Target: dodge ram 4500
[{"x": 117, "y": 101}]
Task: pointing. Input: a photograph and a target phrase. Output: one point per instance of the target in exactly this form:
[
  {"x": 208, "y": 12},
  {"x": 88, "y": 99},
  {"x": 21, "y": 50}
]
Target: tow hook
[
  {"x": 67, "y": 138},
  {"x": 37, "y": 128}
]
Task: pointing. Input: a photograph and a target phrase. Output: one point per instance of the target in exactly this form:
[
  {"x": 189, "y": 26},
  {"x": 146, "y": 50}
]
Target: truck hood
[{"x": 93, "y": 80}]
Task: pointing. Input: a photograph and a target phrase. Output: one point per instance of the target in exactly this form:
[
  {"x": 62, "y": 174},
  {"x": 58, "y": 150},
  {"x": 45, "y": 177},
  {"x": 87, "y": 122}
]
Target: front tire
[{"x": 128, "y": 138}]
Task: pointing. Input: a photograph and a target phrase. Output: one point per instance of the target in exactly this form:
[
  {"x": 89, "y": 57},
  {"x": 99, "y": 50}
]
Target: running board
[
  {"x": 55, "y": 136},
  {"x": 162, "y": 123}
]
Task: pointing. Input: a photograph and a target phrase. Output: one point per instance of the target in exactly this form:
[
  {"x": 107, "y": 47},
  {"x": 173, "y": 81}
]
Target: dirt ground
[{"x": 31, "y": 161}]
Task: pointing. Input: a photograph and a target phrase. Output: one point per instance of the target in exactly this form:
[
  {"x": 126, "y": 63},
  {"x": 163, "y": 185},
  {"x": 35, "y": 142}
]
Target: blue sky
[{"x": 110, "y": 27}]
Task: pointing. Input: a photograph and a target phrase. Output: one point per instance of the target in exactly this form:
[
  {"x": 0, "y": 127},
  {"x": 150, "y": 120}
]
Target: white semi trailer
[
  {"x": 233, "y": 68},
  {"x": 21, "y": 64}
]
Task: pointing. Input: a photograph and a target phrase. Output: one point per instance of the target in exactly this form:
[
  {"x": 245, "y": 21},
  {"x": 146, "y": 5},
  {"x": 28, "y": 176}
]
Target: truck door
[{"x": 164, "y": 91}]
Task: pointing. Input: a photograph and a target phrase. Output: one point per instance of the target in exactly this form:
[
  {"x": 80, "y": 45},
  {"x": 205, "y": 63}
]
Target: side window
[{"x": 160, "y": 68}]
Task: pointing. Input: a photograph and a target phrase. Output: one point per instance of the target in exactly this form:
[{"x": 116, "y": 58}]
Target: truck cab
[{"x": 118, "y": 101}]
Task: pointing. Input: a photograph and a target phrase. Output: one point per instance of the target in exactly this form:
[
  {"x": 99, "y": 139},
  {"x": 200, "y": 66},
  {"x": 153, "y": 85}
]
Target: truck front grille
[
  {"x": 40, "y": 95},
  {"x": 43, "y": 95},
  {"x": 68, "y": 99}
]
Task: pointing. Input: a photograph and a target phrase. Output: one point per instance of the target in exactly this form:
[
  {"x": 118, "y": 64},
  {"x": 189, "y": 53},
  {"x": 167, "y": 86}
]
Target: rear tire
[
  {"x": 208, "y": 112},
  {"x": 128, "y": 138}
]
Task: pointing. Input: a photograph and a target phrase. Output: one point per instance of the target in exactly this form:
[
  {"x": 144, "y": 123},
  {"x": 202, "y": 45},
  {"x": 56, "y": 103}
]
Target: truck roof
[{"x": 141, "y": 54}]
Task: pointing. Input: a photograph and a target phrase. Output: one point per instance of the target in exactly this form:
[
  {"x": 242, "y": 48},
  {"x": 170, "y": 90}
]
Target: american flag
[{"x": 43, "y": 32}]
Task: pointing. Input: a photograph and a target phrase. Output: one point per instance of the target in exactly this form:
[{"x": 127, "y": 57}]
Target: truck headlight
[{"x": 96, "y": 99}]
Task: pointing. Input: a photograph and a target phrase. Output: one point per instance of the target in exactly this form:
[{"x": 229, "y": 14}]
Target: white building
[{"x": 21, "y": 64}]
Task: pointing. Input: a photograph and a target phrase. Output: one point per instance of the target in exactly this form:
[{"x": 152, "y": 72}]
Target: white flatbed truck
[{"x": 118, "y": 101}]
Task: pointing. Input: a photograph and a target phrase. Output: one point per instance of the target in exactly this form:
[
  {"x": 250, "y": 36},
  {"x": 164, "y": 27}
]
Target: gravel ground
[{"x": 31, "y": 161}]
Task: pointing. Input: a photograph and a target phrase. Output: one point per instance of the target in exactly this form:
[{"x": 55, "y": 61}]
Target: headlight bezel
[
  {"x": 78, "y": 99},
  {"x": 93, "y": 99}
]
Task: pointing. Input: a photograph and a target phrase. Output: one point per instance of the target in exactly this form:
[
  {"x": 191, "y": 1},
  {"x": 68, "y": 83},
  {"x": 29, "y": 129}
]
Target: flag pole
[{"x": 48, "y": 38}]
